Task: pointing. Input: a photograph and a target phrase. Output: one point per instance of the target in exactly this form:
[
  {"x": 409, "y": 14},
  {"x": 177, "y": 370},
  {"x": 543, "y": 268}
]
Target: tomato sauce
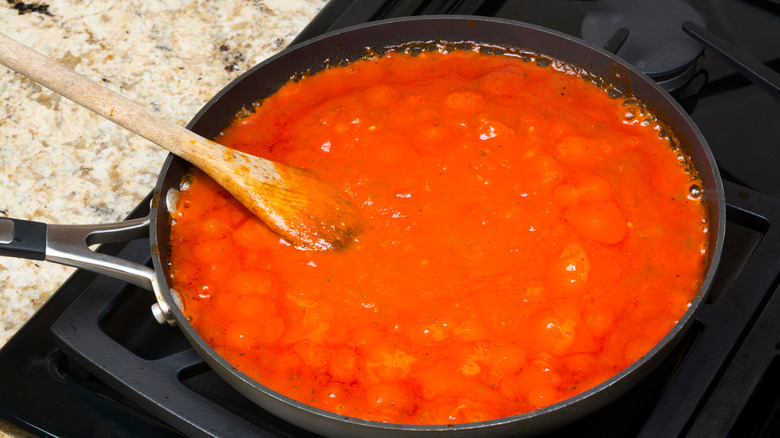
[{"x": 526, "y": 236}]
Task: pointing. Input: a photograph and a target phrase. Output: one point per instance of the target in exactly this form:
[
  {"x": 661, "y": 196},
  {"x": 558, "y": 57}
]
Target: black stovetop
[{"x": 68, "y": 372}]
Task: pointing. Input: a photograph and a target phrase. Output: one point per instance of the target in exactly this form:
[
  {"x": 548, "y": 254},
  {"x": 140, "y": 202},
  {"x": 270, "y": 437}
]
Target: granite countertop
[{"x": 60, "y": 163}]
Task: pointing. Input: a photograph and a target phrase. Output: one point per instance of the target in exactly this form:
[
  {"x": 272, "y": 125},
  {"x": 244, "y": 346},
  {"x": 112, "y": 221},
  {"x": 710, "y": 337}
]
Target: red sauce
[{"x": 526, "y": 237}]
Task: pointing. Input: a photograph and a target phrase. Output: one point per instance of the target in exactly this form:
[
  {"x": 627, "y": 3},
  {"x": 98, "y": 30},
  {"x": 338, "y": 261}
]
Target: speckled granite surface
[{"x": 60, "y": 163}]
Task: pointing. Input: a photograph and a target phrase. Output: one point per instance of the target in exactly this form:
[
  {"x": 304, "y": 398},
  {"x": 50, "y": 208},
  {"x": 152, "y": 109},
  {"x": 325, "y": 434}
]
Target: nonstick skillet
[{"x": 68, "y": 244}]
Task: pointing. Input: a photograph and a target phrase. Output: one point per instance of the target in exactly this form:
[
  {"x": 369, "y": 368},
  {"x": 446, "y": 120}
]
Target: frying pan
[{"x": 68, "y": 244}]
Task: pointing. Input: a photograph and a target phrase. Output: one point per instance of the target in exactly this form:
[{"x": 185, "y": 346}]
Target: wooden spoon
[{"x": 294, "y": 203}]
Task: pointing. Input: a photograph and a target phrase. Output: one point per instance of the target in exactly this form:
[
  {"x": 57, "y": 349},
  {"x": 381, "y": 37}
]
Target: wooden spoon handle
[{"x": 112, "y": 106}]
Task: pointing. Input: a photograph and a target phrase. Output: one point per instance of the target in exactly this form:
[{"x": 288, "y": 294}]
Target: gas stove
[{"x": 94, "y": 362}]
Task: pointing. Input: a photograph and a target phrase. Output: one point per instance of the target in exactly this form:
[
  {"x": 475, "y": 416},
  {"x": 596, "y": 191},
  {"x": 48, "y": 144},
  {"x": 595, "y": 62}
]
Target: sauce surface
[{"x": 526, "y": 237}]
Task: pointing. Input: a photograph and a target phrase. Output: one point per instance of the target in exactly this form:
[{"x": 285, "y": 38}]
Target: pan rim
[{"x": 537, "y": 420}]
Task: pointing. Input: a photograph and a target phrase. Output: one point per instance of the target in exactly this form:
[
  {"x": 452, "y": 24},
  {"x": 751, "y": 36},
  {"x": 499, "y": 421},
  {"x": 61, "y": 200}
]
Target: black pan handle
[
  {"x": 70, "y": 245},
  {"x": 22, "y": 239}
]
